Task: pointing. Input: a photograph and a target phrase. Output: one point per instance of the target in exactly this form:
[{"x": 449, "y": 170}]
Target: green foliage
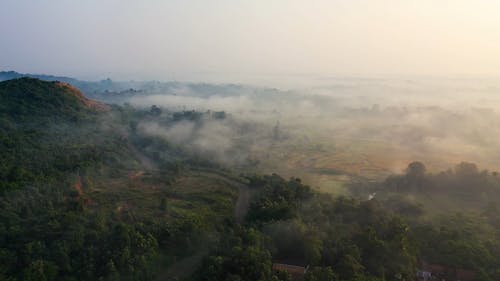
[
  {"x": 454, "y": 240},
  {"x": 459, "y": 242},
  {"x": 465, "y": 183},
  {"x": 320, "y": 274},
  {"x": 47, "y": 131},
  {"x": 240, "y": 256},
  {"x": 278, "y": 199},
  {"x": 33, "y": 100},
  {"x": 359, "y": 240},
  {"x": 53, "y": 228},
  {"x": 54, "y": 225},
  {"x": 60, "y": 242}
]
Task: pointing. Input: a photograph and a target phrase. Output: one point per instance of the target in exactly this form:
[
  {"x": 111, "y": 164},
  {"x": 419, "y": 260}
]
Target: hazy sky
[{"x": 189, "y": 39}]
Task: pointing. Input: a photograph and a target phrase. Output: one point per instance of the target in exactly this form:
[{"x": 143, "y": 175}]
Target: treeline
[
  {"x": 464, "y": 179},
  {"x": 348, "y": 239},
  {"x": 340, "y": 239}
]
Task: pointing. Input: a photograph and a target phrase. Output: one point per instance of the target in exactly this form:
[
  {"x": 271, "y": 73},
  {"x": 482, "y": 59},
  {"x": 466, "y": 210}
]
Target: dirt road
[
  {"x": 185, "y": 267},
  {"x": 243, "y": 201}
]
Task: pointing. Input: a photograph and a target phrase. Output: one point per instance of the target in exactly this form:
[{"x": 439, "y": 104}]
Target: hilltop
[
  {"x": 73, "y": 167},
  {"x": 30, "y": 98}
]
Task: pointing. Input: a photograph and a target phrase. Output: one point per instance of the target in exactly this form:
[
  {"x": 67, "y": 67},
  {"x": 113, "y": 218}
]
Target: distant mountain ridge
[
  {"x": 87, "y": 87},
  {"x": 8, "y": 75},
  {"x": 119, "y": 92}
]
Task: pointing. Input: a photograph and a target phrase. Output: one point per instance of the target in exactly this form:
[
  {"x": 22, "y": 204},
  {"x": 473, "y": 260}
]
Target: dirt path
[
  {"x": 243, "y": 201},
  {"x": 242, "y": 204},
  {"x": 146, "y": 162},
  {"x": 78, "y": 186},
  {"x": 184, "y": 268}
]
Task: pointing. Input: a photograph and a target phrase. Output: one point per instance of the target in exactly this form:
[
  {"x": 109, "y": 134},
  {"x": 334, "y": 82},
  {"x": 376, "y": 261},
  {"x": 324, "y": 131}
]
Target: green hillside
[
  {"x": 86, "y": 193},
  {"x": 47, "y": 129},
  {"x": 29, "y": 99},
  {"x": 78, "y": 201}
]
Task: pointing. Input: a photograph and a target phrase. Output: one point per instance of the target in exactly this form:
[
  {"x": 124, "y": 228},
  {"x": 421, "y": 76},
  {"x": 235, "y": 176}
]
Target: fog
[
  {"x": 213, "y": 140},
  {"x": 330, "y": 134}
]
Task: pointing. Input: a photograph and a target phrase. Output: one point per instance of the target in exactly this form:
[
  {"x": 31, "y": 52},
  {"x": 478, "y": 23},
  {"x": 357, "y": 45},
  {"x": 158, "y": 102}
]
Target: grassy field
[
  {"x": 137, "y": 193},
  {"x": 329, "y": 162}
]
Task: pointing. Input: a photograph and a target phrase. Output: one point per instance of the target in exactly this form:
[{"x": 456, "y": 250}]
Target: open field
[
  {"x": 329, "y": 163},
  {"x": 134, "y": 194}
]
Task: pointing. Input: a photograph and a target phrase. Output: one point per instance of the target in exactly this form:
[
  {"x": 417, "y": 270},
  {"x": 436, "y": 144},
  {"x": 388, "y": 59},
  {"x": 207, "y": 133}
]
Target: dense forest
[{"x": 85, "y": 194}]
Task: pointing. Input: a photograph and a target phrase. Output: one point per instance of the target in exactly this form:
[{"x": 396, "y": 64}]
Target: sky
[{"x": 229, "y": 39}]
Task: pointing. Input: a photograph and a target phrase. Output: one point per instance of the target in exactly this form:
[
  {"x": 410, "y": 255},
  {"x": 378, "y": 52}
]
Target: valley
[{"x": 124, "y": 192}]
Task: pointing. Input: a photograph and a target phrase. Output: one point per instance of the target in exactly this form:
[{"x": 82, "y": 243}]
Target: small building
[
  {"x": 423, "y": 275},
  {"x": 441, "y": 272},
  {"x": 465, "y": 275},
  {"x": 296, "y": 272}
]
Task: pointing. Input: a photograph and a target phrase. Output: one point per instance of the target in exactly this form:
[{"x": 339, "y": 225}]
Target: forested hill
[
  {"x": 90, "y": 192},
  {"x": 78, "y": 201},
  {"x": 28, "y": 98},
  {"x": 42, "y": 129}
]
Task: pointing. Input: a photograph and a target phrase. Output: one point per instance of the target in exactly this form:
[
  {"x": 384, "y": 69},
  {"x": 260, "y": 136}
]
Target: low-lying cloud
[{"x": 378, "y": 122}]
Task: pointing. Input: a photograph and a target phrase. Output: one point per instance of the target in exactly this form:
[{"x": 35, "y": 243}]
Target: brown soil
[{"x": 92, "y": 104}]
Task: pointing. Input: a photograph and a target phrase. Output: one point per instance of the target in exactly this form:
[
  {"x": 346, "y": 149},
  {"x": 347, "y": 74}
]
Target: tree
[
  {"x": 349, "y": 268},
  {"x": 163, "y": 204},
  {"x": 415, "y": 169},
  {"x": 415, "y": 174},
  {"x": 283, "y": 275},
  {"x": 320, "y": 274},
  {"x": 155, "y": 110},
  {"x": 466, "y": 170},
  {"x": 40, "y": 270},
  {"x": 111, "y": 272}
]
